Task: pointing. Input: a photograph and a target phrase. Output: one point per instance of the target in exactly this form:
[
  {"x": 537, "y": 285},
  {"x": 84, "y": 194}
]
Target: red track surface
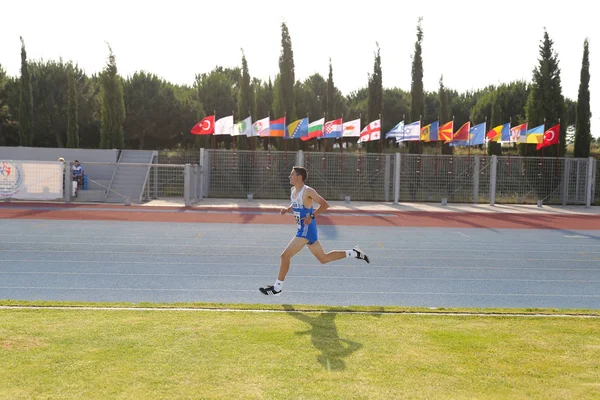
[{"x": 103, "y": 212}]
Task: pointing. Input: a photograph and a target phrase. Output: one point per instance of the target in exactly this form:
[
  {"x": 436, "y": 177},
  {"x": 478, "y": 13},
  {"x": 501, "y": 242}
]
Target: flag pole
[
  {"x": 420, "y": 126},
  {"x": 252, "y": 144},
  {"x": 452, "y": 148},
  {"x": 541, "y": 163},
  {"x": 284, "y": 138},
  {"x": 359, "y": 148},
  {"x": 269, "y": 142},
  {"x": 342, "y": 142},
  {"x": 469, "y": 151},
  {"x": 269, "y": 137},
  {"x": 215, "y": 142},
  {"x": 509, "y": 142},
  {"x": 419, "y": 156},
  {"x": 557, "y": 150},
  {"x": 322, "y": 137},
  {"x": 436, "y": 148},
  {"x": 401, "y": 145},
  {"x": 379, "y": 142},
  {"x": 525, "y": 152},
  {"x": 233, "y": 140},
  {"x": 379, "y": 146},
  {"x": 324, "y": 143},
  {"x": 485, "y": 142}
]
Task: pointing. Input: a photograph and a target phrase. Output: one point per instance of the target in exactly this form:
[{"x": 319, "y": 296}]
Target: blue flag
[{"x": 477, "y": 135}]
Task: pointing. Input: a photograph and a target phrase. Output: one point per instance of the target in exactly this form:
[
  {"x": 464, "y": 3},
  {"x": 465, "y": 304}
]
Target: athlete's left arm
[{"x": 323, "y": 204}]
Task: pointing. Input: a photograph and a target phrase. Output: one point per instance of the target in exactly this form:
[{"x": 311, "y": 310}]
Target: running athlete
[{"x": 302, "y": 198}]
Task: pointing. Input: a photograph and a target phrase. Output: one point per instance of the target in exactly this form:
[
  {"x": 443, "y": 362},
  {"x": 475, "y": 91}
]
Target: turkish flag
[
  {"x": 551, "y": 137},
  {"x": 204, "y": 127}
]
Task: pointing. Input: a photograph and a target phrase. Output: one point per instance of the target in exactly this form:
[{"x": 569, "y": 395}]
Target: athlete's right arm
[{"x": 286, "y": 210}]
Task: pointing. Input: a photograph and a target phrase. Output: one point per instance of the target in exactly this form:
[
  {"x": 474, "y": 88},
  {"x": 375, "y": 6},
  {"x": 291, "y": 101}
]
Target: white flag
[
  {"x": 243, "y": 128},
  {"x": 351, "y": 128},
  {"x": 412, "y": 132},
  {"x": 224, "y": 126},
  {"x": 396, "y": 132},
  {"x": 371, "y": 132},
  {"x": 262, "y": 127}
]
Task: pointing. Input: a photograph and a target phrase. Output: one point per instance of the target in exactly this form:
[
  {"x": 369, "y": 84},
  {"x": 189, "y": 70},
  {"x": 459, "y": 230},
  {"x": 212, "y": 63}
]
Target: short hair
[{"x": 302, "y": 172}]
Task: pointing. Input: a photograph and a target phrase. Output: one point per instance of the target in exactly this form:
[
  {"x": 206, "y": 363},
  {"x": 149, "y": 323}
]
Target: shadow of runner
[{"x": 324, "y": 337}]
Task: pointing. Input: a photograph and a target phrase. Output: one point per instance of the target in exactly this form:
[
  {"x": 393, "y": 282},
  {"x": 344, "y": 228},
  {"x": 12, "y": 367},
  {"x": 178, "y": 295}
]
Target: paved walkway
[{"x": 211, "y": 203}]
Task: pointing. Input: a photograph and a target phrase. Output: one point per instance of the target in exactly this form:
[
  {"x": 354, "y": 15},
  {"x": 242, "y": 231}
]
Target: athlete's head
[{"x": 298, "y": 173}]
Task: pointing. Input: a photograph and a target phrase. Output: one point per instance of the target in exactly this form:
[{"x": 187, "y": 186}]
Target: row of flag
[
  {"x": 466, "y": 135},
  {"x": 299, "y": 129}
]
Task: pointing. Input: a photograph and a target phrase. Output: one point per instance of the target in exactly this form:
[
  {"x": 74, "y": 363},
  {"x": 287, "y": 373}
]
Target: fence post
[
  {"x": 198, "y": 183},
  {"x": 386, "y": 177},
  {"x": 201, "y": 176},
  {"x": 300, "y": 158},
  {"x": 68, "y": 180},
  {"x": 186, "y": 184},
  {"x": 397, "y": 171},
  {"x": 476, "y": 180},
  {"x": 589, "y": 182},
  {"x": 206, "y": 173},
  {"x": 194, "y": 184},
  {"x": 565, "y": 188},
  {"x": 493, "y": 180},
  {"x": 155, "y": 179}
]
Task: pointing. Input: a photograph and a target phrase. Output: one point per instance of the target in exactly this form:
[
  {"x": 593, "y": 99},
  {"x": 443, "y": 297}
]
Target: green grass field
[{"x": 152, "y": 354}]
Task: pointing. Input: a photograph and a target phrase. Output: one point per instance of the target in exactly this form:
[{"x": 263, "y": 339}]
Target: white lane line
[
  {"x": 302, "y": 265},
  {"x": 383, "y": 312},
  {"x": 336, "y": 277},
  {"x": 346, "y": 292}
]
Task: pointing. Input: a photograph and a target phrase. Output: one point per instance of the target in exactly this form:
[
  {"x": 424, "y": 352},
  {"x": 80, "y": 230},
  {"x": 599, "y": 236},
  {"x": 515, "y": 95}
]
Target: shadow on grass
[{"x": 324, "y": 337}]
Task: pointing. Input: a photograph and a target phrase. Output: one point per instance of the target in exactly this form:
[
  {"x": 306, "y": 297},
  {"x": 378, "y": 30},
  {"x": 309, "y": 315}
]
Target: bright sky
[{"x": 472, "y": 43}]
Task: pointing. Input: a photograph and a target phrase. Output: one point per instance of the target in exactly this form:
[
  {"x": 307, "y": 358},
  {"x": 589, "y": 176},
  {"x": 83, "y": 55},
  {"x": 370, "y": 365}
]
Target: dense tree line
[{"x": 55, "y": 104}]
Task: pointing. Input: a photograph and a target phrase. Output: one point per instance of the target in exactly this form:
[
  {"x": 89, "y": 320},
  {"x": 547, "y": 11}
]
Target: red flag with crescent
[
  {"x": 551, "y": 137},
  {"x": 204, "y": 127}
]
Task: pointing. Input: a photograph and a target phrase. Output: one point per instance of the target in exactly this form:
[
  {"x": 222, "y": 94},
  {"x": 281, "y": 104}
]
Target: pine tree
[
  {"x": 583, "y": 136},
  {"x": 72, "y": 112},
  {"x": 417, "y": 104},
  {"x": 113, "y": 107},
  {"x": 25, "y": 102},
  {"x": 375, "y": 102},
  {"x": 545, "y": 98}
]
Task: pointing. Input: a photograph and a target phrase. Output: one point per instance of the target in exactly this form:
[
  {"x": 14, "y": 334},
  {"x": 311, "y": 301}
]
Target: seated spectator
[{"x": 78, "y": 173}]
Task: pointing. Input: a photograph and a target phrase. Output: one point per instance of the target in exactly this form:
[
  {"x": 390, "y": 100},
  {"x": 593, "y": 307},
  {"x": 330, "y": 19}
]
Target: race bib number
[{"x": 297, "y": 216}]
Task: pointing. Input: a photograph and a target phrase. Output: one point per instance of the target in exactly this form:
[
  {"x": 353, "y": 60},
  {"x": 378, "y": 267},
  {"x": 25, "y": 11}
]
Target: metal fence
[
  {"x": 403, "y": 177},
  {"x": 387, "y": 177}
]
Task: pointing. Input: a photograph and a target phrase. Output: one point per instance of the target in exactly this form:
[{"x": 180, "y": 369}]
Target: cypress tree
[
  {"x": 417, "y": 94},
  {"x": 25, "y": 102},
  {"x": 72, "y": 112},
  {"x": 583, "y": 136},
  {"x": 113, "y": 107}
]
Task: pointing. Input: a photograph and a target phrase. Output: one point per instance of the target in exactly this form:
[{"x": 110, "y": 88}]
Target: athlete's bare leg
[
  {"x": 293, "y": 247},
  {"x": 323, "y": 257}
]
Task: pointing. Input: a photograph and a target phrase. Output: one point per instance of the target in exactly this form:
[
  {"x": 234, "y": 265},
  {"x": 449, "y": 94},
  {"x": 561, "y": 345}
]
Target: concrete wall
[{"x": 52, "y": 154}]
